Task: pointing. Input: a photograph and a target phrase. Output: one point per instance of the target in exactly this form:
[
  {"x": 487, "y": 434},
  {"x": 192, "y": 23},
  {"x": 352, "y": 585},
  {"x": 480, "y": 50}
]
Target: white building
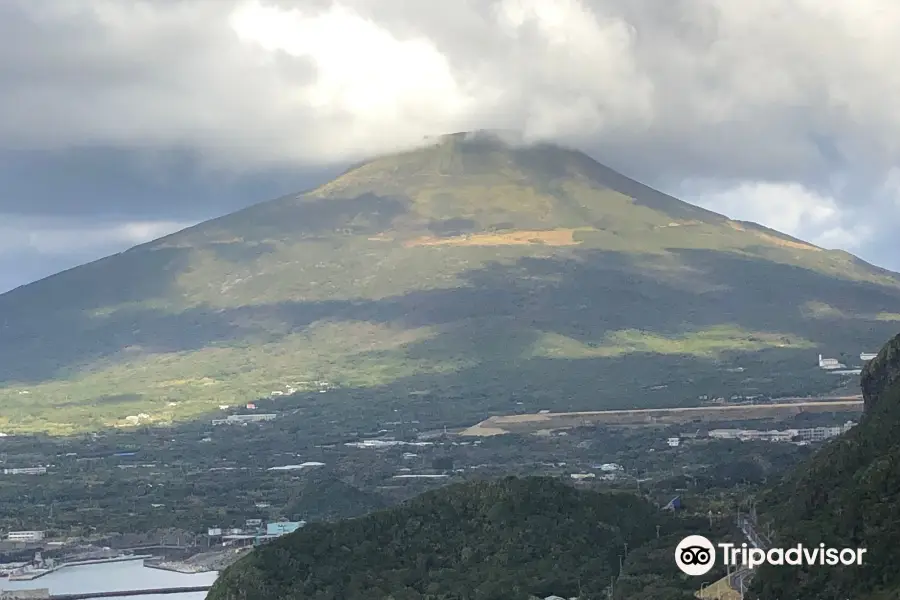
[
  {"x": 830, "y": 363},
  {"x": 25, "y": 536},
  {"x": 818, "y": 434},
  {"x": 240, "y": 419},
  {"x": 674, "y": 442},
  {"x": 726, "y": 434},
  {"x": 26, "y": 471},
  {"x": 867, "y": 356},
  {"x": 810, "y": 434}
]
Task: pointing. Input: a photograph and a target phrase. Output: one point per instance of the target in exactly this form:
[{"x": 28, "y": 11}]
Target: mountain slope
[
  {"x": 848, "y": 495},
  {"x": 475, "y": 273}
]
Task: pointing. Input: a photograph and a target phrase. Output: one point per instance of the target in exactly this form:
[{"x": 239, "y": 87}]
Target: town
[{"x": 250, "y": 468}]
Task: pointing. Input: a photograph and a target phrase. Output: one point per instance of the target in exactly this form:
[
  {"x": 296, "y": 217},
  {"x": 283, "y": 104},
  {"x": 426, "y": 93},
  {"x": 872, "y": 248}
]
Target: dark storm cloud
[{"x": 137, "y": 184}]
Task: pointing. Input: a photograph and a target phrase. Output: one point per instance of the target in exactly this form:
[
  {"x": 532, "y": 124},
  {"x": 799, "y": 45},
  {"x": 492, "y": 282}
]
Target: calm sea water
[{"x": 111, "y": 577}]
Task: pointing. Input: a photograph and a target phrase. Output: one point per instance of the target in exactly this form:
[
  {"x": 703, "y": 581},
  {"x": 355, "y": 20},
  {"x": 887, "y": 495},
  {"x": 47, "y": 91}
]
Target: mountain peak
[{"x": 492, "y": 180}]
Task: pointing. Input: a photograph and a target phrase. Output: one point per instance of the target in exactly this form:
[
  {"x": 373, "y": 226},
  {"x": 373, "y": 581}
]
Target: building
[
  {"x": 674, "y": 442},
  {"x": 830, "y": 363},
  {"x": 811, "y": 434},
  {"x": 214, "y": 532},
  {"x": 726, "y": 434},
  {"x": 241, "y": 419},
  {"x": 25, "y": 536},
  {"x": 867, "y": 356},
  {"x": 818, "y": 434},
  {"x": 283, "y": 527},
  {"x": 26, "y": 471}
]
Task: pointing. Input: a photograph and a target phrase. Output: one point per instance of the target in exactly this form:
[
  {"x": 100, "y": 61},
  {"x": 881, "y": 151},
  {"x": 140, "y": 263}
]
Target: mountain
[
  {"x": 468, "y": 276},
  {"x": 847, "y": 495},
  {"x": 508, "y": 539}
]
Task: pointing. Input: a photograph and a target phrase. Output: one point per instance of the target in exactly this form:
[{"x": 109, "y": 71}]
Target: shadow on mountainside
[{"x": 494, "y": 318}]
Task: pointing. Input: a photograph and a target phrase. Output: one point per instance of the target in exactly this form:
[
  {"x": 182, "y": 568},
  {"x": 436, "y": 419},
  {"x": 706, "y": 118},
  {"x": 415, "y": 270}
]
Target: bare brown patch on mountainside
[
  {"x": 777, "y": 241},
  {"x": 551, "y": 237},
  {"x": 786, "y": 243}
]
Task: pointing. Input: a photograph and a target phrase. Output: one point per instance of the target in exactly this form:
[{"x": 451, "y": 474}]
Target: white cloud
[
  {"x": 76, "y": 237},
  {"x": 250, "y": 82},
  {"x": 787, "y": 207},
  {"x": 794, "y": 100},
  {"x": 808, "y": 215},
  {"x": 32, "y": 248}
]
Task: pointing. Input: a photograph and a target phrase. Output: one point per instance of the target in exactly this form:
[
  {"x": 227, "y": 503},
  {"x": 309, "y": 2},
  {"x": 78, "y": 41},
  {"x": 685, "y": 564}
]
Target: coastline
[
  {"x": 177, "y": 567},
  {"x": 36, "y": 574},
  {"x": 205, "y": 562}
]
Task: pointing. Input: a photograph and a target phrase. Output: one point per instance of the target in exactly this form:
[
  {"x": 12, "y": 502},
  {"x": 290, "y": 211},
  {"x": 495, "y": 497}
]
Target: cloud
[
  {"x": 788, "y": 207},
  {"x": 252, "y": 82},
  {"x": 784, "y": 109},
  {"x": 47, "y": 236},
  {"x": 35, "y": 247},
  {"x": 865, "y": 229}
]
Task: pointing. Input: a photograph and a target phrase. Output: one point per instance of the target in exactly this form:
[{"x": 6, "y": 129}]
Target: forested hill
[
  {"x": 848, "y": 495},
  {"x": 500, "y": 540}
]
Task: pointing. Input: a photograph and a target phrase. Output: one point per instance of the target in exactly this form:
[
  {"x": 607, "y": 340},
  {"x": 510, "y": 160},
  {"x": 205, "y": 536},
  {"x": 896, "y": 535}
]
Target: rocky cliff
[{"x": 848, "y": 495}]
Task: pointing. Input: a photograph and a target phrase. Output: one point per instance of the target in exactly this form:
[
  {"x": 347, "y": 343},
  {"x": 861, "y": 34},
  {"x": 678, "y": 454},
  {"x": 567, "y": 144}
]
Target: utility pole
[{"x": 657, "y": 532}]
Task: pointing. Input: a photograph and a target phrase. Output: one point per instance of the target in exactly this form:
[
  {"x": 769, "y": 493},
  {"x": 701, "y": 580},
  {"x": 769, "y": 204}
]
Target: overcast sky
[{"x": 123, "y": 120}]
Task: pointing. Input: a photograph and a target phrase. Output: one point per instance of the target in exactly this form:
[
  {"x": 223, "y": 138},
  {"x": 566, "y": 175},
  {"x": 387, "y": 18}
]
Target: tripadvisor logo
[{"x": 696, "y": 555}]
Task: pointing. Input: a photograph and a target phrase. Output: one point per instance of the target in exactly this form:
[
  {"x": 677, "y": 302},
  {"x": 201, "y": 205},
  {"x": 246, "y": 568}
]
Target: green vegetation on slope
[
  {"x": 467, "y": 266},
  {"x": 495, "y": 540},
  {"x": 325, "y": 497},
  {"x": 848, "y": 495}
]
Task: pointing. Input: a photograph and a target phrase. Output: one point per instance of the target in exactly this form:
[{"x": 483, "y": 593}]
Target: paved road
[{"x": 740, "y": 580}]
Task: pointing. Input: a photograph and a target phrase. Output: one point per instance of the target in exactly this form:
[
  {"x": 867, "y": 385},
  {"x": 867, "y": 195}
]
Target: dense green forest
[
  {"x": 492, "y": 540},
  {"x": 847, "y": 495}
]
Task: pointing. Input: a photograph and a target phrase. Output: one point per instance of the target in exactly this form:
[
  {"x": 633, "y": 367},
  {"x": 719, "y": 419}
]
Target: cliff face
[
  {"x": 880, "y": 376},
  {"x": 847, "y": 495}
]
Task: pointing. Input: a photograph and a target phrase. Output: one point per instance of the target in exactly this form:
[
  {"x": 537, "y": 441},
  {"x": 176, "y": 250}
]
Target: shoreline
[
  {"x": 176, "y": 568},
  {"x": 77, "y": 563}
]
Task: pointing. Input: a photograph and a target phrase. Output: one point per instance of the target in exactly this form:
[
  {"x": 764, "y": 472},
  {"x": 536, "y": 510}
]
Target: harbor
[
  {"x": 30, "y": 572},
  {"x": 110, "y": 579}
]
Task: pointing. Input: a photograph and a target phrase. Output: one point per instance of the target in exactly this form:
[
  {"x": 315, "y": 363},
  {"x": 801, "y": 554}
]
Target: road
[{"x": 740, "y": 580}]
